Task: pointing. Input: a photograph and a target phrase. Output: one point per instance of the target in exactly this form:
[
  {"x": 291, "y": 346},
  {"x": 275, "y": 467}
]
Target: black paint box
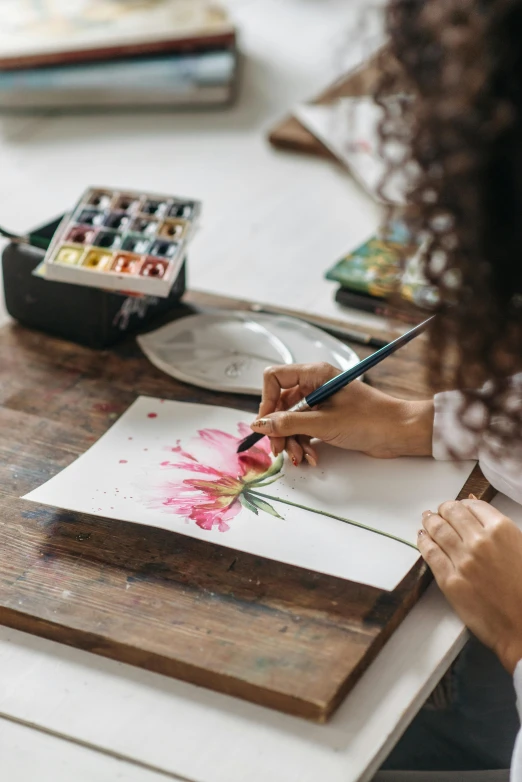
[{"x": 89, "y": 316}]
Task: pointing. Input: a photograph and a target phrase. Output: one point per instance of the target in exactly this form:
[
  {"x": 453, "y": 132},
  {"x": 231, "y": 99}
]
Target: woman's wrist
[
  {"x": 415, "y": 427},
  {"x": 510, "y": 653}
]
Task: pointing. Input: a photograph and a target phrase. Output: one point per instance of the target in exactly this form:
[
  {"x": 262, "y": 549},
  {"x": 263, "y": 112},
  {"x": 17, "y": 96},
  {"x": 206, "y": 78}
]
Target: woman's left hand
[{"x": 475, "y": 553}]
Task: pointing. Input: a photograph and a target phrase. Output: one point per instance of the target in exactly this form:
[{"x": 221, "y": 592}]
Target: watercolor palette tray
[{"x": 123, "y": 240}]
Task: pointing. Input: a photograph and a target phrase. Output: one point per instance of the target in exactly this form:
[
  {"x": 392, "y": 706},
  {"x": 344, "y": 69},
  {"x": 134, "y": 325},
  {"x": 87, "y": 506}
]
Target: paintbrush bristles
[{"x": 249, "y": 441}]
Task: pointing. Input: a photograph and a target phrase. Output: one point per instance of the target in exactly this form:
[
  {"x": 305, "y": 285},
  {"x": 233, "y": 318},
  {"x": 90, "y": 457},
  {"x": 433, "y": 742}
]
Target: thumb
[{"x": 286, "y": 424}]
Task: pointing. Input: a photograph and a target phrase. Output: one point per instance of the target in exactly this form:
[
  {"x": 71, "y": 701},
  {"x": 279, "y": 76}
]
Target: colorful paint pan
[
  {"x": 109, "y": 239},
  {"x": 154, "y": 206},
  {"x": 173, "y": 229},
  {"x": 127, "y": 263},
  {"x": 98, "y": 260},
  {"x": 90, "y": 217},
  {"x": 123, "y": 240},
  {"x": 152, "y": 267},
  {"x": 117, "y": 220},
  {"x": 184, "y": 209},
  {"x": 126, "y": 202},
  {"x": 136, "y": 243},
  {"x": 101, "y": 199},
  {"x": 69, "y": 254},
  {"x": 162, "y": 248},
  {"x": 81, "y": 234},
  {"x": 145, "y": 225}
]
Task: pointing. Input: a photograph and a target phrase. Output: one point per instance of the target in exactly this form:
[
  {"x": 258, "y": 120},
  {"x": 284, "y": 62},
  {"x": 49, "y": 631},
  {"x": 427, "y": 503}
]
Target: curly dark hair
[{"x": 462, "y": 60}]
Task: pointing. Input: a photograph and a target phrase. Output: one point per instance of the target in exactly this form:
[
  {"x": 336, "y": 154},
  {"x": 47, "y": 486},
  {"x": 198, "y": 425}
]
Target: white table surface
[{"x": 272, "y": 223}]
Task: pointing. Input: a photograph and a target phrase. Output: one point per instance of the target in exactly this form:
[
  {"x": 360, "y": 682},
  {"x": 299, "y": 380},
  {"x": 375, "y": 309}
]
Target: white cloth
[
  {"x": 452, "y": 440},
  {"x": 516, "y": 763}
]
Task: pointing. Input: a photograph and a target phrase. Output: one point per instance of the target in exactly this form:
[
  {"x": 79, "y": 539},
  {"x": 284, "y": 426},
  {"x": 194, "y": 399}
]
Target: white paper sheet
[
  {"x": 348, "y": 127},
  {"x": 174, "y": 465}
]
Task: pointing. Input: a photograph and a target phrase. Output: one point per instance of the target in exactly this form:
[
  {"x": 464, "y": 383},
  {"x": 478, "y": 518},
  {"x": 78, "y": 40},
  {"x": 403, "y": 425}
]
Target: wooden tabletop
[{"x": 277, "y": 635}]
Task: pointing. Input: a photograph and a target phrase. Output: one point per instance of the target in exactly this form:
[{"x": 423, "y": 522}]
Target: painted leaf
[
  {"x": 247, "y": 504},
  {"x": 262, "y": 505}
]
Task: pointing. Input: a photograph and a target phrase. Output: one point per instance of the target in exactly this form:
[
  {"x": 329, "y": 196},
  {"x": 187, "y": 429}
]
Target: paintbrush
[
  {"x": 32, "y": 239},
  {"x": 334, "y": 385},
  {"x": 339, "y": 331}
]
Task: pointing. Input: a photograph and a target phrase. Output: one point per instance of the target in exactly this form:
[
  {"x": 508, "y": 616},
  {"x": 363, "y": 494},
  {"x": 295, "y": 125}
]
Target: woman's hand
[
  {"x": 358, "y": 418},
  {"x": 475, "y": 554}
]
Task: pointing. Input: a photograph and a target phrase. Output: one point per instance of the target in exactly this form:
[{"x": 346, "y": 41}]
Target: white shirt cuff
[
  {"x": 517, "y": 681},
  {"x": 451, "y": 440}
]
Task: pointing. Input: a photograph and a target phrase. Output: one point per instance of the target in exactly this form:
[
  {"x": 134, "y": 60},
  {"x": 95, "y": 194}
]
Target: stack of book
[
  {"x": 115, "y": 53},
  {"x": 382, "y": 268}
]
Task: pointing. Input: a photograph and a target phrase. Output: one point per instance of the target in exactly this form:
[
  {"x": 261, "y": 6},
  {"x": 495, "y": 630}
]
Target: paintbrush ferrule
[{"x": 300, "y": 407}]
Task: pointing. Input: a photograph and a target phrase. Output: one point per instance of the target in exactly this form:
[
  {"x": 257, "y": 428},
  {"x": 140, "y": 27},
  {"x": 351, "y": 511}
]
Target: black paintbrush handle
[
  {"x": 338, "y": 382},
  {"x": 331, "y": 387}
]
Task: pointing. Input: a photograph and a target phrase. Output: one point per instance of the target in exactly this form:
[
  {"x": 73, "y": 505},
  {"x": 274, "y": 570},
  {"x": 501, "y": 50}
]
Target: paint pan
[{"x": 123, "y": 240}]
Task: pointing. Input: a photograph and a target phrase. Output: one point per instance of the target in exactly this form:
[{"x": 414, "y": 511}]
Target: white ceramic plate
[{"x": 229, "y": 351}]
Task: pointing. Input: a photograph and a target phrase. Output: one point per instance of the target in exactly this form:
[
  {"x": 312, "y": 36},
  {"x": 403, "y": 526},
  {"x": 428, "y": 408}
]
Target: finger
[
  {"x": 307, "y": 377},
  {"x": 294, "y": 451},
  {"x": 309, "y": 452},
  {"x": 286, "y": 424},
  {"x": 463, "y": 521},
  {"x": 485, "y": 513},
  {"x": 285, "y": 401},
  {"x": 291, "y": 397},
  {"x": 435, "y": 557},
  {"x": 278, "y": 444},
  {"x": 442, "y": 533},
  {"x": 288, "y": 398}
]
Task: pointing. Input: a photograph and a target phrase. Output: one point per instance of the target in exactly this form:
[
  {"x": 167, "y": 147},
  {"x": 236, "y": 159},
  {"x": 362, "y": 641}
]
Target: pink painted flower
[
  {"x": 215, "y": 500},
  {"x": 232, "y": 481}
]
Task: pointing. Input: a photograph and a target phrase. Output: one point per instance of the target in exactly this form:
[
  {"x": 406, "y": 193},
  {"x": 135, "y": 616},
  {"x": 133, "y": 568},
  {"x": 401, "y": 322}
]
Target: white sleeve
[
  {"x": 516, "y": 763},
  {"x": 452, "y": 440}
]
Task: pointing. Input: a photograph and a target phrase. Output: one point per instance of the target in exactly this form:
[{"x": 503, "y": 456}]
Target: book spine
[
  {"x": 168, "y": 73},
  {"x": 359, "y": 302},
  {"x": 375, "y": 306},
  {"x": 197, "y": 97},
  {"x": 176, "y": 45}
]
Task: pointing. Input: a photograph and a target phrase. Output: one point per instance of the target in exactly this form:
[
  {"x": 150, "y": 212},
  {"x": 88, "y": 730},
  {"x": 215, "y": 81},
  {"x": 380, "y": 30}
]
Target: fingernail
[
  {"x": 294, "y": 461},
  {"x": 263, "y": 423},
  {"x": 421, "y": 532},
  {"x": 426, "y": 513},
  {"x": 472, "y": 497},
  {"x": 310, "y": 459}
]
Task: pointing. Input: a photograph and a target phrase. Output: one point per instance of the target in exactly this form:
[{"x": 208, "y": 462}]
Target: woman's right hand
[{"x": 358, "y": 418}]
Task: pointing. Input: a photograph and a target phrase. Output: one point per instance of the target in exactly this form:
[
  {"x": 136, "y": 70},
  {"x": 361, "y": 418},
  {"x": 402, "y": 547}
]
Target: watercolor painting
[
  {"x": 235, "y": 485},
  {"x": 175, "y": 465}
]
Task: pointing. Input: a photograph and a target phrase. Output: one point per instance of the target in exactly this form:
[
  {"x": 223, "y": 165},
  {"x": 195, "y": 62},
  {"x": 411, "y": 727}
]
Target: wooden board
[
  {"x": 289, "y": 134},
  {"x": 277, "y": 635}
]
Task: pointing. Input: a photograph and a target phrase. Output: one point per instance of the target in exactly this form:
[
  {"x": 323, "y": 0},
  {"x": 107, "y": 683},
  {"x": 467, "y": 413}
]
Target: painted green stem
[{"x": 332, "y": 516}]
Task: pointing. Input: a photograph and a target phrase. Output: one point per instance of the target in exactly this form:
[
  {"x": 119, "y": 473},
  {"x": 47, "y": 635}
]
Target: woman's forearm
[{"x": 416, "y": 437}]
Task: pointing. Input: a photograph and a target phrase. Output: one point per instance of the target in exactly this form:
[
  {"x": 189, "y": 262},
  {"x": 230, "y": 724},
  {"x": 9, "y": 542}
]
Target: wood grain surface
[{"x": 277, "y": 635}]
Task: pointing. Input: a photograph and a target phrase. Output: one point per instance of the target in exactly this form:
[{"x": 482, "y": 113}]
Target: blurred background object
[{"x": 115, "y": 53}]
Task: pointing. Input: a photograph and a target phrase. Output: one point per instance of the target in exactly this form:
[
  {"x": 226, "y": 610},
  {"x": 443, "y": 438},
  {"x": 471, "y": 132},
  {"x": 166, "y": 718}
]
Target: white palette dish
[{"x": 229, "y": 351}]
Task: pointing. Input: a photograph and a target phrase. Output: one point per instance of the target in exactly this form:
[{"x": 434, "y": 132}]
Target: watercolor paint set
[
  {"x": 90, "y": 316},
  {"x": 123, "y": 241}
]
